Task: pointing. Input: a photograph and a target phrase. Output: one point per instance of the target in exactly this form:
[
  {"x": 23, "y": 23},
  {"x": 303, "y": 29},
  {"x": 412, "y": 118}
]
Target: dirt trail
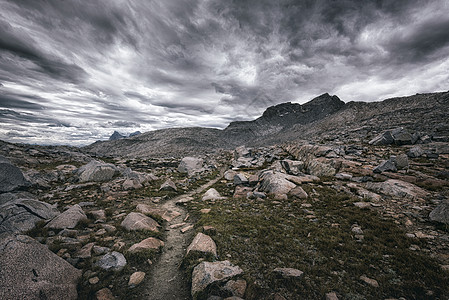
[{"x": 167, "y": 281}]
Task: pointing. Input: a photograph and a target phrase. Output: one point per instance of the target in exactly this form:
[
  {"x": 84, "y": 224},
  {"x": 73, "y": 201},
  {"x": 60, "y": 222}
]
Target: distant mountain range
[{"x": 323, "y": 119}]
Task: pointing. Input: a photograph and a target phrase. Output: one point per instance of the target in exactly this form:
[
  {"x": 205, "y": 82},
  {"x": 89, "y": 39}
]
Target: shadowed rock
[
  {"x": 138, "y": 221},
  {"x": 11, "y": 177},
  {"x": 30, "y": 271}
]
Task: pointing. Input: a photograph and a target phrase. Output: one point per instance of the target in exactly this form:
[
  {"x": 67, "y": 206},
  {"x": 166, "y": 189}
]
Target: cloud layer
[{"x": 73, "y": 71}]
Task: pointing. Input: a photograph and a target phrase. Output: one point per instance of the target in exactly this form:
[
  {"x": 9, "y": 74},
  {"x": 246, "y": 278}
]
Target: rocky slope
[{"x": 325, "y": 118}]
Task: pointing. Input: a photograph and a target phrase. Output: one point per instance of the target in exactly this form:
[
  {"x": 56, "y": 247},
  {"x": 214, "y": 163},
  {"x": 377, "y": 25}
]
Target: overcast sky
[{"x": 73, "y": 71}]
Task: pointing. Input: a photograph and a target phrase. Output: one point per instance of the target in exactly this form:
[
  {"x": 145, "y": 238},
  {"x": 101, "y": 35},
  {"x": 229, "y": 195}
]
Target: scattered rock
[
  {"x": 398, "y": 136},
  {"x": 236, "y": 287},
  {"x": 187, "y": 228},
  {"x": 114, "y": 261},
  {"x": 21, "y": 214},
  {"x": 168, "y": 185},
  {"x": 204, "y": 244},
  {"x": 28, "y": 271},
  {"x": 320, "y": 168},
  {"x": 415, "y": 152},
  {"x": 167, "y": 215},
  {"x": 362, "y": 205},
  {"x": 331, "y": 296},
  {"x": 212, "y": 194},
  {"x": 85, "y": 252},
  {"x": 68, "y": 219},
  {"x": 138, "y": 221},
  {"x": 275, "y": 183},
  {"x": 343, "y": 176},
  {"x": 146, "y": 244},
  {"x": 397, "y": 188},
  {"x": 136, "y": 279},
  {"x": 400, "y": 161},
  {"x": 440, "y": 213},
  {"x": 97, "y": 171},
  {"x": 369, "y": 281},
  {"x": 386, "y": 165},
  {"x": 98, "y": 214},
  {"x": 293, "y": 167},
  {"x": 207, "y": 273},
  {"x": 104, "y": 294},
  {"x": 11, "y": 177},
  {"x": 288, "y": 272},
  {"x": 298, "y": 192},
  {"x": 240, "y": 179},
  {"x": 191, "y": 165},
  {"x": 229, "y": 175}
]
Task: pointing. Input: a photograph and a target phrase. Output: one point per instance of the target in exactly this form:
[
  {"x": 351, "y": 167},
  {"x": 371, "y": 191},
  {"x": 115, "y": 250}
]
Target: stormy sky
[{"x": 73, "y": 71}]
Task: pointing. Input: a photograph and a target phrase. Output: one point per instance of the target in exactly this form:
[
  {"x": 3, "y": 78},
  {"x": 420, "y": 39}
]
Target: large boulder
[
  {"x": 30, "y": 271},
  {"x": 68, "y": 219},
  {"x": 138, "y": 221},
  {"x": 21, "y": 214},
  {"x": 191, "y": 165},
  {"x": 11, "y": 177},
  {"x": 275, "y": 183},
  {"x": 440, "y": 213},
  {"x": 204, "y": 244},
  {"x": 397, "y": 188},
  {"x": 208, "y": 273},
  {"x": 397, "y": 136},
  {"x": 319, "y": 167},
  {"x": 293, "y": 167},
  {"x": 97, "y": 171}
]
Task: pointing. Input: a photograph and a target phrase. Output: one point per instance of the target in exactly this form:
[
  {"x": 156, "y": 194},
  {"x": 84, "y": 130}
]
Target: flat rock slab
[
  {"x": 204, "y": 244},
  {"x": 146, "y": 244},
  {"x": 138, "y": 221},
  {"x": 288, "y": 272},
  {"x": 30, "y": 271},
  {"x": 397, "y": 188},
  {"x": 114, "y": 261},
  {"x": 207, "y": 273},
  {"x": 68, "y": 219},
  {"x": 165, "y": 214},
  {"x": 20, "y": 215}
]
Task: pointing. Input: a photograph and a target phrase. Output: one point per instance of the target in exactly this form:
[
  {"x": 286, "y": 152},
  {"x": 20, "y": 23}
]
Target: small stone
[
  {"x": 236, "y": 287},
  {"x": 369, "y": 281},
  {"x": 146, "y": 244},
  {"x": 288, "y": 272},
  {"x": 136, "y": 278},
  {"x": 205, "y": 210},
  {"x": 138, "y": 221},
  {"x": 94, "y": 280},
  {"x": 168, "y": 185},
  {"x": 174, "y": 226},
  {"x": 114, "y": 261},
  {"x": 362, "y": 205},
  {"x": 204, "y": 244},
  {"x": 104, "y": 294},
  {"x": 187, "y": 228},
  {"x": 356, "y": 229},
  {"x": 210, "y": 230},
  {"x": 331, "y": 296},
  {"x": 85, "y": 252}
]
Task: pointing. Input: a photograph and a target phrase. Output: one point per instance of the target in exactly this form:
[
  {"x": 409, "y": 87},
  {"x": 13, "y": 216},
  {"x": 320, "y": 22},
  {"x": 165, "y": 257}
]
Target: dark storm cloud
[{"x": 140, "y": 65}]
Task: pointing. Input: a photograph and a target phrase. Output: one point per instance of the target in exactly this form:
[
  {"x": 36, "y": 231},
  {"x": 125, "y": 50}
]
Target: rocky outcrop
[
  {"x": 207, "y": 273},
  {"x": 398, "y": 136},
  {"x": 191, "y": 165},
  {"x": 11, "y": 177},
  {"x": 30, "y": 271},
  {"x": 97, "y": 171},
  {"x": 68, "y": 219},
  {"x": 397, "y": 188},
  {"x": 21, "y": 214}
]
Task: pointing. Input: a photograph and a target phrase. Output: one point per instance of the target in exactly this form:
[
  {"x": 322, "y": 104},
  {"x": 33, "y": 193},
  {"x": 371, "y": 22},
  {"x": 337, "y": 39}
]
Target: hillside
[{"x": 324, "y": 118}]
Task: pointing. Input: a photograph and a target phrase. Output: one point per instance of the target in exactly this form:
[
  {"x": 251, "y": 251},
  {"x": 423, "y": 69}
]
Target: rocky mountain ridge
[{"x": 325, "y": 118}]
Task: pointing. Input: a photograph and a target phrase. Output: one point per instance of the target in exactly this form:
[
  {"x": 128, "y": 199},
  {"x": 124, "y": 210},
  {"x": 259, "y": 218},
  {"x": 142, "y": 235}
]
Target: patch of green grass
[{"x": 260, "y": 235}]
